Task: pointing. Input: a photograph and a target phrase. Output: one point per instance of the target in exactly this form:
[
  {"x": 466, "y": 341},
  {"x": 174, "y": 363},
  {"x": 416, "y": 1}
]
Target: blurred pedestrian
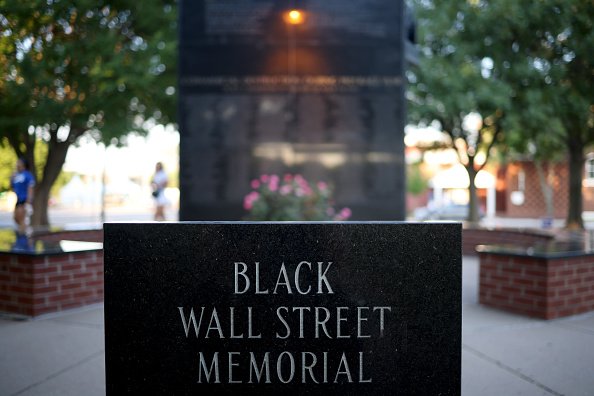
[
  {"x": 158, "y": 185},
  {"x": 22, "y": 183}
]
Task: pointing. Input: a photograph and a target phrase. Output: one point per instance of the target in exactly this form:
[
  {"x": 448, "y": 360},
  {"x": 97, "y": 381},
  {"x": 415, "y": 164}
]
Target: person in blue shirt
[{"x": 22, "y": 183}]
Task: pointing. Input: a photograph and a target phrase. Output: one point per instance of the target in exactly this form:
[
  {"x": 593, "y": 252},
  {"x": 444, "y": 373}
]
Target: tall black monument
[{"x": 319, "y": 92}]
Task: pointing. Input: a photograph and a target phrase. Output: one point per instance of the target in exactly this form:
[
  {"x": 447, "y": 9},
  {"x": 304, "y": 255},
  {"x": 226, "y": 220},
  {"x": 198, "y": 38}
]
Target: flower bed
[{"x": 291, "y": 198}]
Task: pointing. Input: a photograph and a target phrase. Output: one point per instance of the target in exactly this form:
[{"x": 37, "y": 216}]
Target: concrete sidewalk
[
  {"x": 59, "y": 355},
  {"x": 506, "y": 354},
  {"x": 502, "y": 354}
]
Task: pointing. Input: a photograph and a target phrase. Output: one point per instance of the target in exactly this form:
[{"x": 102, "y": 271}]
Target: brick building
[{"x": 519, "y": 192}]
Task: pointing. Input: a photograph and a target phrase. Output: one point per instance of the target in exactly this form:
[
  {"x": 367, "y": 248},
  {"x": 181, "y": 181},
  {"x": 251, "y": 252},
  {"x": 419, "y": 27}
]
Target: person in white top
[{"x": 158, "y": 184}]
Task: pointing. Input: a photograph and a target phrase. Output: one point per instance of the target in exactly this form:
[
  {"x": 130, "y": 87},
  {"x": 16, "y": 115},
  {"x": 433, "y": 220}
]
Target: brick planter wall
[
  {"x": 542, "y": 287},
  {"x": 32, "y": 285}
]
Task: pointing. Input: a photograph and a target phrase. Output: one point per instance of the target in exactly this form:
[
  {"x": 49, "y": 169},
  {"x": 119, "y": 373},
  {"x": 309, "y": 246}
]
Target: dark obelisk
[{"x": 320, "y": 93}]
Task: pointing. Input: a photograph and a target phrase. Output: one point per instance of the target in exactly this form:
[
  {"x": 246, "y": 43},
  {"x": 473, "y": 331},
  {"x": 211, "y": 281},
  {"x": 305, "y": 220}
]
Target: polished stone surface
[
  {"x": 324, "y": 99},
  {"x": 333, "y": 308},
  {"x": 249, "y": 46},
  {"x": 17, "y": 243},
  {"x": 546, "y": 250}
]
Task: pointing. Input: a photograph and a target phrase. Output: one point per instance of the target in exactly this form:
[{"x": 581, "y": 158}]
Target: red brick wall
[
  {"x": 570, "y": 286},
  {"x": 588, "y": 197},
  {"x": 34, "y": 285},
  {"x": 538, "y": 287},
  {"x": 534, "y": 205}
]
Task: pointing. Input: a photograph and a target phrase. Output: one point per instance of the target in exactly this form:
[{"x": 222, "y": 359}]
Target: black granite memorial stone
[
  {"x": 323, "y": 98},
  {"x": 283, "y": 308}
]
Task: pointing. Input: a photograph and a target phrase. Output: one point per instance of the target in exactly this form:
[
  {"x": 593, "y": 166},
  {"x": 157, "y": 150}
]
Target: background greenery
[{"x": 68, "y": 68}]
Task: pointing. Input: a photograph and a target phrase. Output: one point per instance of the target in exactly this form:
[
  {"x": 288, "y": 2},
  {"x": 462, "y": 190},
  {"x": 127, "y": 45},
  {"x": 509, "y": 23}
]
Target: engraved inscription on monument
[
  {"x": 232, "y": 17},
  {"x": 317, "y": 322},
  {"x": 247, "y": 46},
  {"x": 277, "y": 308},
  {"x": 364, "y": 18}
]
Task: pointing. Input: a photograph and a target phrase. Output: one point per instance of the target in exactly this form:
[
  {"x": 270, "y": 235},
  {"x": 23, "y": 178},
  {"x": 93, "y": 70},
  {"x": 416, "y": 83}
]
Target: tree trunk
[
  {"x": 473, "y": 212},
  {"x": 545, "y": 186},
  {"x": 576, "y": 170},
  {"x": 56, "y": 157},
  {"x": 23, "y": 145},
  {"x": 40, "y": 203}
]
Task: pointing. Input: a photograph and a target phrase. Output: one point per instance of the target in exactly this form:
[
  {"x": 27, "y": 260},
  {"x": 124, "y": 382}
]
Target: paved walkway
[
  {"x": 59, "y": 355},
  {"x": 502, "y": 354},
  {"x": 505, "y": 354},
  {"x": 90, "y": 216}
]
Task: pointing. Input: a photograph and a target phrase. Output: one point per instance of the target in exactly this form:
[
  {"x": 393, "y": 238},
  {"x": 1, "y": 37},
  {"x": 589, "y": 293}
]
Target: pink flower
[
  {"x": 286, "y": 189},
  {"x": 322, "y": 186},
  {"x": 273, "y": 184},
  {"x": 288, "y": 177},
  {"x": 247, "y": 204},
  {"x": 248, "y": 201},
  {"x": 307, "y": 191},
  {"x": 300, "y": 180},
  {"x": 264, "y": 178},
  {"x": 255, "y": 183},
  {"x": 344, "y": 214}
]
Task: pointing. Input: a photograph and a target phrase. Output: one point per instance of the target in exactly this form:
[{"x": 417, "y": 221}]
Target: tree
[
  {"x": 537, "y": 135},
  {"x": 538, "y": 53},
  {"x": 416, "y": 182},
  {"x": 70, "y": 68},
  {"x": 8, "y": 161},
  {"x": 452, "y": 86},
  {"x": 7, "y": 165},
  {"x": 543, "y": 51}
]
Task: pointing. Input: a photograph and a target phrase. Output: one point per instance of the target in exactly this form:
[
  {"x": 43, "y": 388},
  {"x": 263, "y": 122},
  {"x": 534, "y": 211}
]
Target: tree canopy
[
  {"x": 69, "y": 68},
  {"x": 536, "y": 65},
  {"x": 543, "y": 51},
  {"x": 451, "y": 85}
]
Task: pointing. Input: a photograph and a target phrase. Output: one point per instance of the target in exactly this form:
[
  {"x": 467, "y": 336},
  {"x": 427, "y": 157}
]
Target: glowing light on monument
[{"x": 294, "y": 17}]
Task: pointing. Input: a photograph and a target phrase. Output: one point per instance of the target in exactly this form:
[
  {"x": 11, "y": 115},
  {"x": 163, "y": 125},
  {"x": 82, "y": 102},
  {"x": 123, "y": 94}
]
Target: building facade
[{"x": 520, "y": 193}]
